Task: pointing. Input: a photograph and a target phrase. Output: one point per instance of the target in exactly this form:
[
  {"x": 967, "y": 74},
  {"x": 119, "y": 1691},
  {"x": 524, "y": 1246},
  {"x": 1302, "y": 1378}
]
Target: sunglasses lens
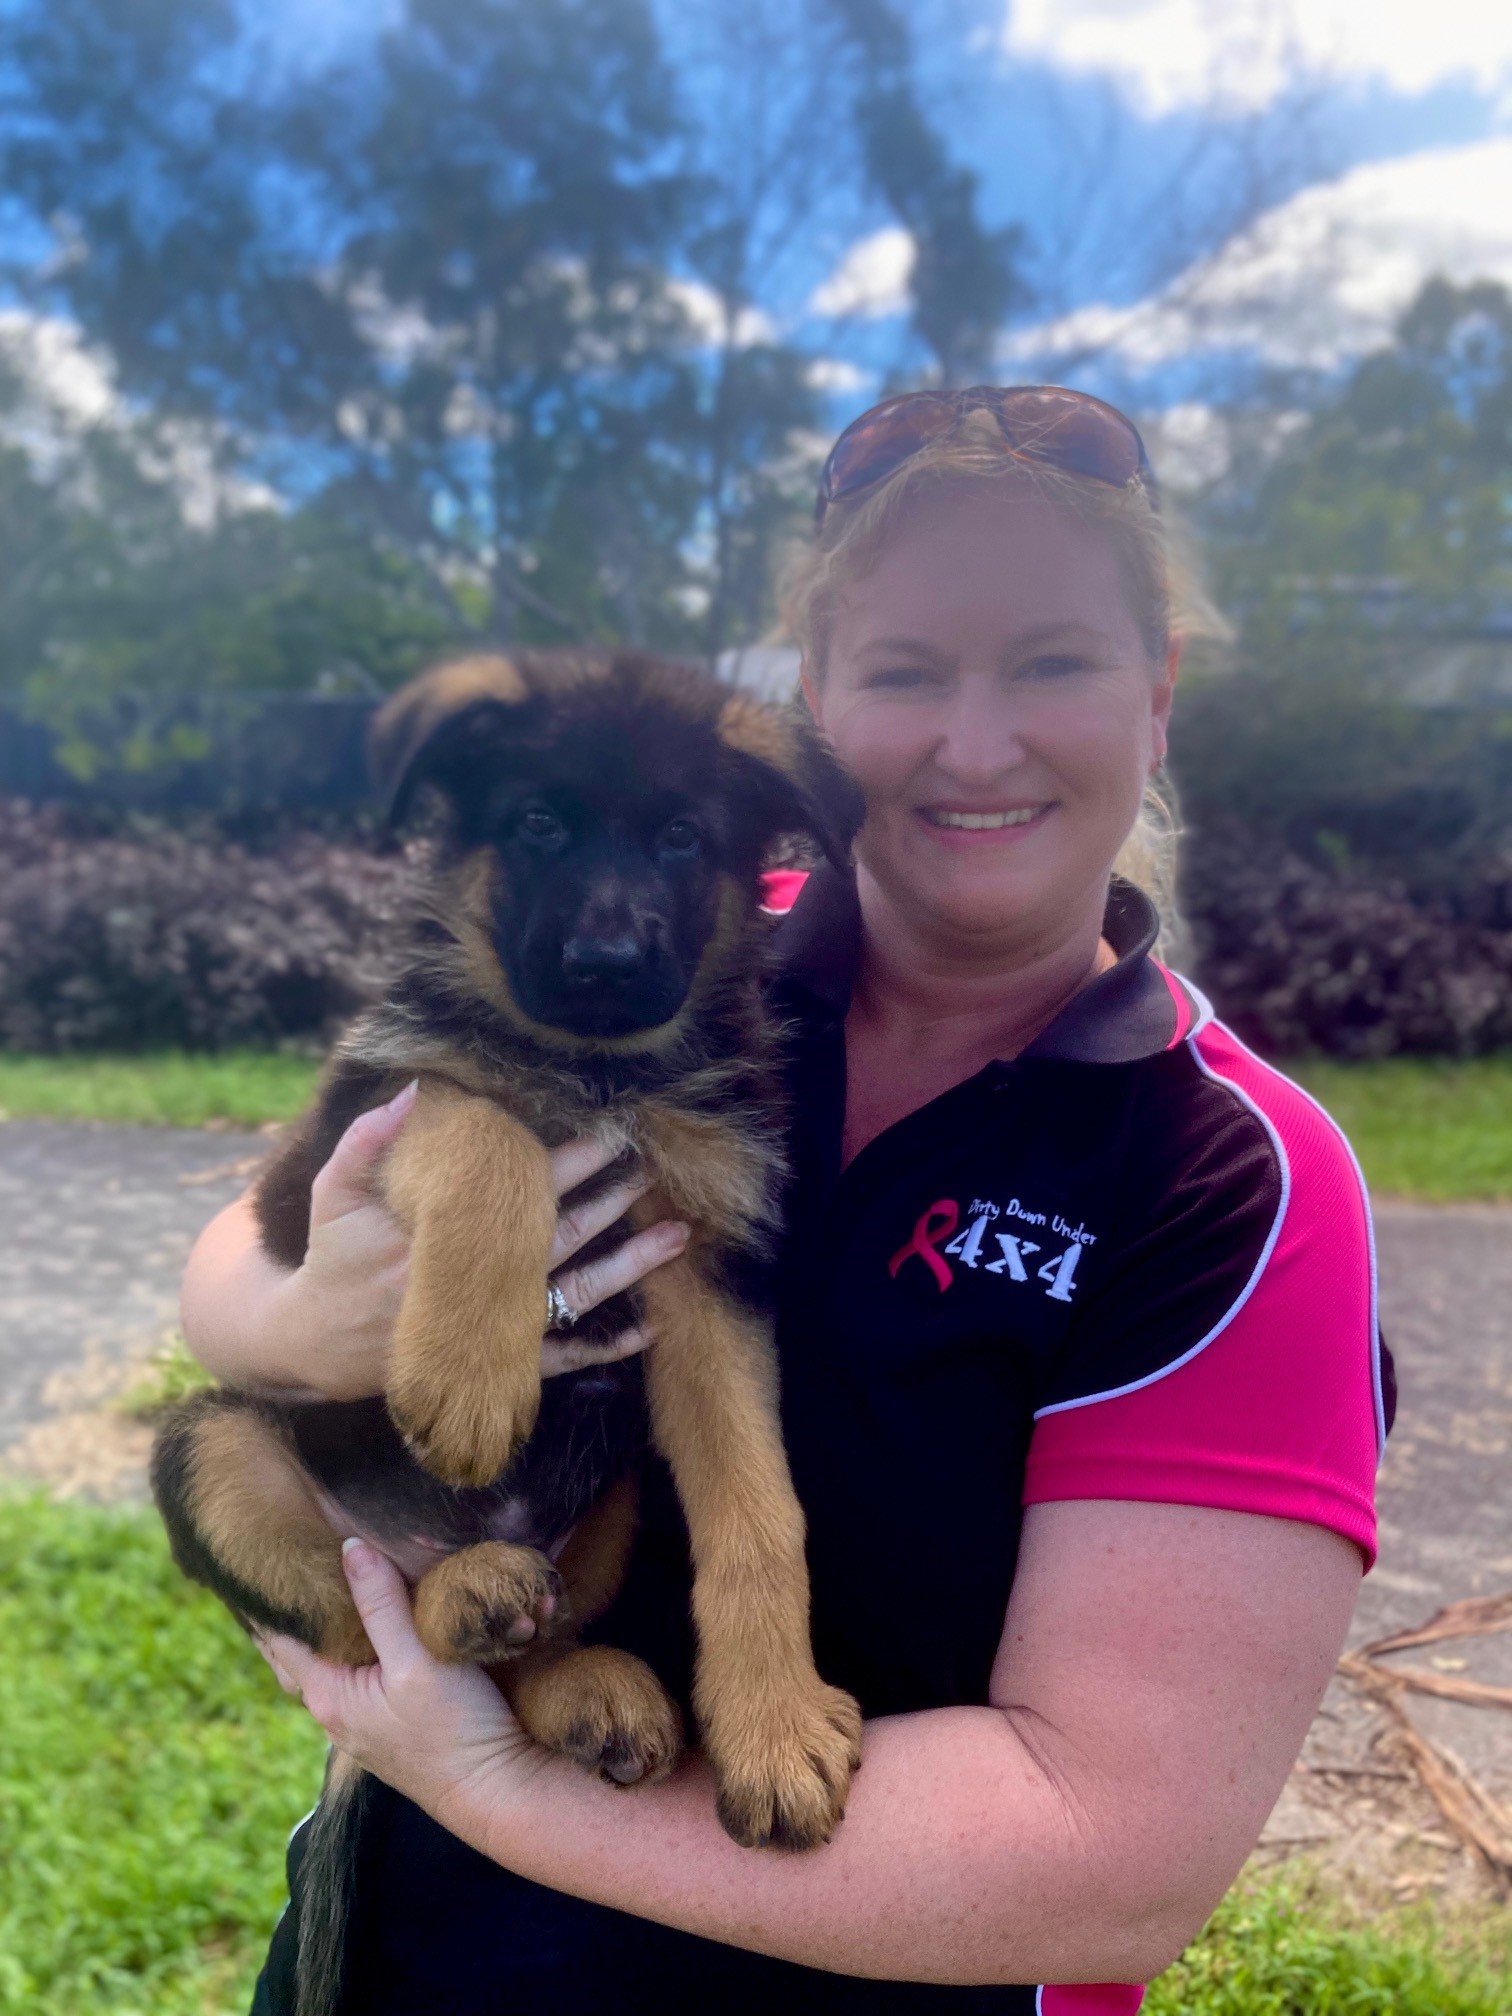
[
  {"x": 1073, "y": 433},
  {"x": 879, "y": 441},
  {"x": 1047, "y": 423}
]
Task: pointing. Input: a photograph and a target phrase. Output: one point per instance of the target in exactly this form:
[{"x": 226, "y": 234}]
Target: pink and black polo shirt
[{"x": 1134, "y": 1262}]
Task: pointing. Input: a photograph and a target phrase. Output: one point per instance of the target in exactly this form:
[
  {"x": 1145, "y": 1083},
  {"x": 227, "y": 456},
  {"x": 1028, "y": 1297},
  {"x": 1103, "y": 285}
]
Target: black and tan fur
[{"x": 602, "y": 980}]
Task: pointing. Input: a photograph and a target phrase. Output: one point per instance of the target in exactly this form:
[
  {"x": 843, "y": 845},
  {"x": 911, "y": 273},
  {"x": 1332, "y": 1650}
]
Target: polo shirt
[{"x": 1133, "y": 1262}]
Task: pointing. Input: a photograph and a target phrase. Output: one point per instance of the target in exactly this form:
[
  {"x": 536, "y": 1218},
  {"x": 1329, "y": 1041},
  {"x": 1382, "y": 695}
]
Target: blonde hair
[{"x": 1154, "y": 556}]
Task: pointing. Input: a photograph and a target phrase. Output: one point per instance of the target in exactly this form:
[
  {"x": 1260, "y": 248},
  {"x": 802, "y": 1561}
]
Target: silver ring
[{"x": 560, "y": 1314}]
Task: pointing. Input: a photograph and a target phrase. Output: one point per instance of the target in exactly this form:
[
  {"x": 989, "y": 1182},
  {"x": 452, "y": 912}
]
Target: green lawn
[
  {"x": 150, "y": 1772},
  {"x": 1437, "y": 1128},
  {"x": 170, "y": 1088}
]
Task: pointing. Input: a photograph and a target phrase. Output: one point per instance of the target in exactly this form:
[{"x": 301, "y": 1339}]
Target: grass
[
  {"x": 171, "y": 1088},
  {"x": 170, "y": 1375},
  {"x": 1283, "y": 1947},
  {"x": 150, "y": 1772},
  {"x": 1434, "y": 1128}
]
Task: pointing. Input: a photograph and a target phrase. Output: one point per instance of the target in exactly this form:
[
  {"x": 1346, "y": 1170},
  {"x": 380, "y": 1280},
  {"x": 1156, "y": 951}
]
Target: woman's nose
[{"x": 980, "y": 734}]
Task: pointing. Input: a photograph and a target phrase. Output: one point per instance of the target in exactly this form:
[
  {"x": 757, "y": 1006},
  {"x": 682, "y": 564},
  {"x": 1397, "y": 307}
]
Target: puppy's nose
[{"x": 612, "y": 956}]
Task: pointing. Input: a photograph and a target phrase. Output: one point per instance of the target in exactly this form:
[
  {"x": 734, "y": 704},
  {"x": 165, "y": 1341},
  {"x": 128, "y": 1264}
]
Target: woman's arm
[
  {"x": 1157, "y": 1673},
  {"x": 322, "y": 1330}
]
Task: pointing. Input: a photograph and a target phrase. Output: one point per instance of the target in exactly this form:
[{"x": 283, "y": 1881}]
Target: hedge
[{"x": 134, "y": 935}]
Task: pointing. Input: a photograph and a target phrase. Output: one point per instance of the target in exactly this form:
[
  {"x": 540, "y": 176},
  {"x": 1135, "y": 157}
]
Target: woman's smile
[{"x": 953, "y": 825}]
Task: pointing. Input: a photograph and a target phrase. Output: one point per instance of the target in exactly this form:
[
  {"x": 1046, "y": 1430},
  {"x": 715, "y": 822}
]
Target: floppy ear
[
  {"x": 428, "y": 732},
  {"x": 790, "y": 776}
]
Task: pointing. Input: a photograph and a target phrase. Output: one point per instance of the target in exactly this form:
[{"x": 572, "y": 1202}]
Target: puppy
[{"x": 588, "y": 964}]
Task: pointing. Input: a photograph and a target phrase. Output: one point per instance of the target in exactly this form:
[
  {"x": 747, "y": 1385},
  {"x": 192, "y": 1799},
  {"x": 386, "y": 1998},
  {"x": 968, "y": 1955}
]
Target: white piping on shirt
[{"x": 1165, "y": 1371}]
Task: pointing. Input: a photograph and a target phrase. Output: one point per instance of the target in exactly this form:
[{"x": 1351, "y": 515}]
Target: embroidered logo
[
  {"x": 926, "y": 1237},
  {"x": 1014, "y": 1259}
]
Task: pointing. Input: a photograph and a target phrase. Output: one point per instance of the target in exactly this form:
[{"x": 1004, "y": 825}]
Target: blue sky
[{"x": 1374, "y": 138}]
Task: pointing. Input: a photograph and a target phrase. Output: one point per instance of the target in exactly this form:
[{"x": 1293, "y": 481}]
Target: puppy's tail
[{"x": 325, "y": 1884}]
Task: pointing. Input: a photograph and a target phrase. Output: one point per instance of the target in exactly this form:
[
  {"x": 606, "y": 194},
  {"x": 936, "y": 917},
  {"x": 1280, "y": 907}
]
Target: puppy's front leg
[
  {"x": 782, "y": 1743},
  {"x": 473, "y": 1187}
]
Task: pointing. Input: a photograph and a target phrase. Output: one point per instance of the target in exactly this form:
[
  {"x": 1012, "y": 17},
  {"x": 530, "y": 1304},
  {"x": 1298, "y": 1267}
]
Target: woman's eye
[
  {"x": 680, "y": 836},
  {"x": 541, "y": 824},
  {"x": 1055, "y": 668},
  {"x": 899, "y": 678}
]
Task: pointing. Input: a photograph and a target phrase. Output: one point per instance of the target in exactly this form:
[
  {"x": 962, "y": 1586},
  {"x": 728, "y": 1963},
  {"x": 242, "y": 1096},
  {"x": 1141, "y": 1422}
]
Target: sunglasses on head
[{"x": 1042, "y": 423}]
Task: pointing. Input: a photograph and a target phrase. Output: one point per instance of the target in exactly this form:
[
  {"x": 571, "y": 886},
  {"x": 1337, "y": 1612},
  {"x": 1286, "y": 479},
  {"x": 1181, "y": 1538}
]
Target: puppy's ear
[
  {"x": 432, "y": 730},
  {"x": 789, "y": 776}
]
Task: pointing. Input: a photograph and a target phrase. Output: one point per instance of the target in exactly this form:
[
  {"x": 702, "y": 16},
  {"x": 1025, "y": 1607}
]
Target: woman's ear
[
  {"x": 1160, "y": 704},
  {"x": 810, "y": 690}
]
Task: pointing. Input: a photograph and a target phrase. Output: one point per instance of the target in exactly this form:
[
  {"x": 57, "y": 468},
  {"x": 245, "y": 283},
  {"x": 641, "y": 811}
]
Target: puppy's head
[{"x": 608, "y": 819}]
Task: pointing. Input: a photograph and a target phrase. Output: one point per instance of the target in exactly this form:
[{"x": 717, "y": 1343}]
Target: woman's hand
[
  {"x": 438, "y": 1734},
  {"x": 323, "y": 1331}
]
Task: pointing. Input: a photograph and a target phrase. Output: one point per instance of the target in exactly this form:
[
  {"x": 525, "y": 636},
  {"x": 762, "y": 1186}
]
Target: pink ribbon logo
[{"x": 932, "y": 1230}]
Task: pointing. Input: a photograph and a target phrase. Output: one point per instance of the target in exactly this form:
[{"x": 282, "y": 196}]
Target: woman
[{"x": 1081, "y": 1372}]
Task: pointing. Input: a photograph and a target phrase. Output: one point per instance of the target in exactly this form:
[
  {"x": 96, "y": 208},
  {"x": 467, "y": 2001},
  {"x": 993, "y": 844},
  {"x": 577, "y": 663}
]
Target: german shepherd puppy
[{"x": 588, "y": 964}]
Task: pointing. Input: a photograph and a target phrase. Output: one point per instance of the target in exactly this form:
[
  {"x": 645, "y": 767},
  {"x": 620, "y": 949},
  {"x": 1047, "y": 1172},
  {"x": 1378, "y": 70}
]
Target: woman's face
[{"x": 988, "y": 687}]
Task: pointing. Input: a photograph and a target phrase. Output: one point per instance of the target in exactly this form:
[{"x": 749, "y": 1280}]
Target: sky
[
  {"x": 1202, "y": 184},
  {"x": 1408, "y": 122}
]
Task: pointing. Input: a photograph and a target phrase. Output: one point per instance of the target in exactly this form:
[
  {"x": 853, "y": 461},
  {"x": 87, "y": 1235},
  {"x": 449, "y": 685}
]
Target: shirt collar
[{"x": 1133, "y": 1010}]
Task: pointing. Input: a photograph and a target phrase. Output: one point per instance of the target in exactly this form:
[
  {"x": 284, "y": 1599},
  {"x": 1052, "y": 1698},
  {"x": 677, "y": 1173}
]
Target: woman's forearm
[
  {"x": 960, "y": 1860},
  {"x": 230, "y": 1305}
]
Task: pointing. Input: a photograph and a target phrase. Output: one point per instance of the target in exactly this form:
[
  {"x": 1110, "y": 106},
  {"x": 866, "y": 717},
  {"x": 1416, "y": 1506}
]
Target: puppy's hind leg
[
  {"x": 243, "y": 1519},
  {"x": 595, "y": 1703}
]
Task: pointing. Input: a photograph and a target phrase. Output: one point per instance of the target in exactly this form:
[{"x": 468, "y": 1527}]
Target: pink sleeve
[{"x": 1279, "y": 1409}]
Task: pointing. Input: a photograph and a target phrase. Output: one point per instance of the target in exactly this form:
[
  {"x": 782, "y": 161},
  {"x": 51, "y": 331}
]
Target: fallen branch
[
  {"x": 1478, "y": 1819},
  {"x": 1478, "y": 1693},
  {"x": 1473, "y": 1617}
]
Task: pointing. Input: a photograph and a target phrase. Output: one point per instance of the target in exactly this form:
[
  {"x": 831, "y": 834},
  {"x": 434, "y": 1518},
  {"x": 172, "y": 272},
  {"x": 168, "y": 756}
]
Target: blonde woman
[{"x": 1082, "y": 1380}]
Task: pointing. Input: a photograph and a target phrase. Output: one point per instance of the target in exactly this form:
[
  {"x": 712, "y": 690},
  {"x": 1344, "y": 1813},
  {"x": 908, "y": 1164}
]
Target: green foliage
[
  {"x": 1402, "y": 475},
  {"x": 150, "y": 1772},
  {"x": 1285, "y": 1948},
  {"x": 242, "y": 1088},
  {"x": 1376, "y": 541},
  {"x": 171, "y": 1375}
]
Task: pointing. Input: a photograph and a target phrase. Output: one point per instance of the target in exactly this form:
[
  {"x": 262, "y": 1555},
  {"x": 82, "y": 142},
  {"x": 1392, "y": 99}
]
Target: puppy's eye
[
  {"x": 537, "y": 822},
  {"x": 680, "y": 836}
]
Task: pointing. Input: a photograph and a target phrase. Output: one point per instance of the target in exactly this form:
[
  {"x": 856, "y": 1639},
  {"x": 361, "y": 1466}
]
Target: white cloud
[
  {"x": 706, "y": 315},
  {"x": 1169, "y": 53},
  {"x": 63, "y": 390},
  {"x": 835, "y": 374},
  {"x": 871, "y": 278},
  {"x": 1321, "y": 278}
]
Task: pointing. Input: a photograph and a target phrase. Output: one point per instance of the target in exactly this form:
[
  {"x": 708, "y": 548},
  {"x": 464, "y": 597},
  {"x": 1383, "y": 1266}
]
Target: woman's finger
[
  {"x": 596, "y": 1280},
  {"x": 383, "y": 1603},
  {"x": 596, "y": 1214},
  {"x": 345, "y": 1183},
  {"x": 560, "y": 1352},
  {"x": 576, "y": 1162}
]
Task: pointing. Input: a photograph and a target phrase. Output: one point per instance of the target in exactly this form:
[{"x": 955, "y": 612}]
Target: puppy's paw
[
  {"x": 608, "y": 1710},
  {"x": 784, "y": 1770},
  {"x": 464, "y": 1423},
  {"x": 488, "y": 1603}
]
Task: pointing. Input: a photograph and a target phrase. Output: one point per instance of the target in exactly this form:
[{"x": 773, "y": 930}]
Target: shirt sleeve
[{"x": 1233, "y": 1358}]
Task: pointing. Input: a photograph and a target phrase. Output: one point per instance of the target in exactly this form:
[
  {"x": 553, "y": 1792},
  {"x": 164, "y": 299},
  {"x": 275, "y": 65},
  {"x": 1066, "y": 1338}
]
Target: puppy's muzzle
[{"x": 607, "y": 961}]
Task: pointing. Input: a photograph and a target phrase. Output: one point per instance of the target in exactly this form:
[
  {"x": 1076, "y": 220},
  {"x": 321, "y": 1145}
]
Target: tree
[
  {"x": 1375, "y": 539},
  {"x": 430, "y": 283},
  {"x": 965, "y": 280}
]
